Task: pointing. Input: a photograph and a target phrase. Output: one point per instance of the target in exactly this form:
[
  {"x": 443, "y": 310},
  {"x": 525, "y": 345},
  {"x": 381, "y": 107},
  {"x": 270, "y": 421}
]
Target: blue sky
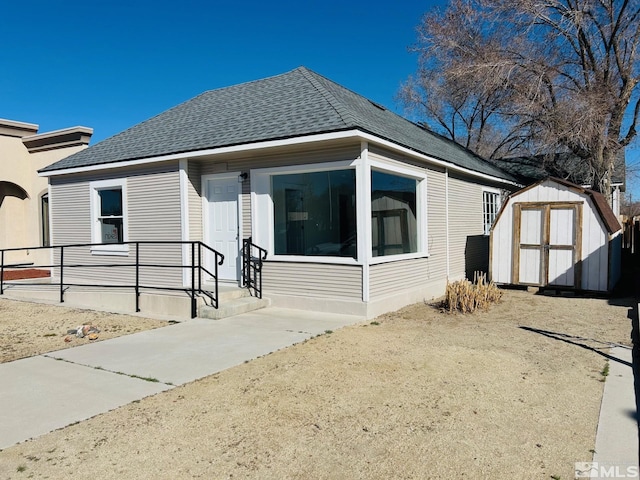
[{"x": 111, "y": 64}]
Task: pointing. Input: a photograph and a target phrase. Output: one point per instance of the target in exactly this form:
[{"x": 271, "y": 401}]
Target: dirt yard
[
  {"x": 416, "y": 394},
  {"x": 28, "y": 329}
]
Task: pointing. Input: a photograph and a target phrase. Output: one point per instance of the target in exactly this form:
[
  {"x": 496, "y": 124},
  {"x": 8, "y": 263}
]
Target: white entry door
[{"x": 221, "y": 223}]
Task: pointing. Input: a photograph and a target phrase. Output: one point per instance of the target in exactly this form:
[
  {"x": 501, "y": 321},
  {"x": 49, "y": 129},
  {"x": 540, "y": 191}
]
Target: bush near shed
[{"x": 467, "y": 297}]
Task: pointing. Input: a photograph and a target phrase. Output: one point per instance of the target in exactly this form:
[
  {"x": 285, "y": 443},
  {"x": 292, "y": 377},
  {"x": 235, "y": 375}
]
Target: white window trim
[
  {"x": 262, "y": 206},
  {"x": 115, "y": 248},
  {"x": 498, "y": 206},
  {"x": 395, "y": 168}
]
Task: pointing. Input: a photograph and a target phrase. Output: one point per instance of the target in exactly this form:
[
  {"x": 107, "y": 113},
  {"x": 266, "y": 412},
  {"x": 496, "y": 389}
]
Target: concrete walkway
[
  {"x": 43, "y": 393},
  {"x": 617, "y": 436}
]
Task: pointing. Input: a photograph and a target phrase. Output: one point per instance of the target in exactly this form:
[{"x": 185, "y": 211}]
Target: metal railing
[
  {"x": 196, "y": 268},
  {"x": 252, "y": 266}
]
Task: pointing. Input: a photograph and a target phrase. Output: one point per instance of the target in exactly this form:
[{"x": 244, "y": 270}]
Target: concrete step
[
  {"x": 233, "y": 307},
  {"x": 230, "y": 293}
]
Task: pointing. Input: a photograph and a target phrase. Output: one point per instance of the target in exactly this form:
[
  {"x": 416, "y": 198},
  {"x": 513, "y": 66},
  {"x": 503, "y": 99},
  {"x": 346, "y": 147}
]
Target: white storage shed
[{"x": 556, "y": 233}]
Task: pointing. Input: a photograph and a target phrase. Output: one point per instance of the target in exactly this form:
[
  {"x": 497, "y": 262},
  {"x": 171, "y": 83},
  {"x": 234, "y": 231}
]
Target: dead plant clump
[{"x": 467, "y": 297}]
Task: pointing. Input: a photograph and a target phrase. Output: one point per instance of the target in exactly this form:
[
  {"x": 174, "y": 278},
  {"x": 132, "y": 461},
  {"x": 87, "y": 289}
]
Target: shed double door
[{"x": 547, "y": 244}]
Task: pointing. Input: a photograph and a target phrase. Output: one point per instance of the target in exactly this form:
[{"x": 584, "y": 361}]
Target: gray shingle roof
[{"x": 296, "y": 103}]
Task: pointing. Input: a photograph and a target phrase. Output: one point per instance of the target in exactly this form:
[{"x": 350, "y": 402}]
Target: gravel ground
[{"x": 512, "y": 393}]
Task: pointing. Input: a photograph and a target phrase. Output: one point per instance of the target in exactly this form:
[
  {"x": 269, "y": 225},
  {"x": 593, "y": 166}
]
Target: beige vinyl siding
[
  {"x": 194, "y": 196},
  {"x": 246, "y": 208},
  {"x": 153, "y": 201},
  {"x": 342, "y": 282},
  {"x": 394, "y": 277},
  {"x": 378, "y": 153},
  {"x": 279, "y": 158},
  {"x": 436, "y": 224},
  {"x": 70, "y": 213},
  {"x": 465, "y": 220}
]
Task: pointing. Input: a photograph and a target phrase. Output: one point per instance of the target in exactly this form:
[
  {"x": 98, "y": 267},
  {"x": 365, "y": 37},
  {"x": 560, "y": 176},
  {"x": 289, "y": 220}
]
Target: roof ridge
[{"x": 342, "y": 112}]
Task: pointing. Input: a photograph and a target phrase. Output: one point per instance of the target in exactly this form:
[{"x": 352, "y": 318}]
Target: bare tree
[
  {"x": 509, "y": 77},
  {"x": 629, "y": 207}
]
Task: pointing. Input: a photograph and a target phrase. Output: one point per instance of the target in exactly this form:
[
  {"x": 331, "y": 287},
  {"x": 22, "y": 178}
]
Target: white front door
[{"x": 221, "y": 223}]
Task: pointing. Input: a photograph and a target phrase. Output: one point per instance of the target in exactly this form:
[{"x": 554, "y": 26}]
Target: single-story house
[
  {"x": 24, "y": 200},
  {"x": 360, "y": 210},
  {"x": 556, "y": 233}
]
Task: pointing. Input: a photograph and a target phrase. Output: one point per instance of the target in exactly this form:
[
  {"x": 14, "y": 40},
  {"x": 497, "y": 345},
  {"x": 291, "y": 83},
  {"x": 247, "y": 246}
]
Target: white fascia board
[
  {"x": 407, "y": 151},
  {"x": 355, "y": 134}
]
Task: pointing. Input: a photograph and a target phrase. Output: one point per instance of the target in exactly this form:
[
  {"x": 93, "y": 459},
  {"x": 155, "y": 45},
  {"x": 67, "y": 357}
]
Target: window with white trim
[
  {"x": 109, "y": 216},
  {"x": 490, "y": 208},
  {"x": 394, "y": 222},
  {"x": 315, "y": 213}
]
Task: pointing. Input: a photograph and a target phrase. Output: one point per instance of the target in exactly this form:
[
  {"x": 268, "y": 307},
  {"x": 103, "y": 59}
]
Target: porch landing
[{"x": 163, "y": 305}]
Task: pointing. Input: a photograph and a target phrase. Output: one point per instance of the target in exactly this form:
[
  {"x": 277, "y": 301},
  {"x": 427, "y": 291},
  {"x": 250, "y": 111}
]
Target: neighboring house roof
[
  {"x": 297, "y": 103},
  {"x": 609, "y": 218},
  {"x": 561, "y": 165}
]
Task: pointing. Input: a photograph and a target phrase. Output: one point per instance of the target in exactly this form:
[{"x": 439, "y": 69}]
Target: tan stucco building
[{"x": 24, "y": 196}]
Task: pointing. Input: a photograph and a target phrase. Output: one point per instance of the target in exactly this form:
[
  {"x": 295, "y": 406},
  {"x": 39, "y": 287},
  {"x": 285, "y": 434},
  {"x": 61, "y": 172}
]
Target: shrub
[{"x": 467, "y": 297}]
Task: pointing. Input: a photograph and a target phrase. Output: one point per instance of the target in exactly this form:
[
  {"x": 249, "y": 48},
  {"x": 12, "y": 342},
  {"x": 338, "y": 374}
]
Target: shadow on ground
[{"x": 626, "y": 294}]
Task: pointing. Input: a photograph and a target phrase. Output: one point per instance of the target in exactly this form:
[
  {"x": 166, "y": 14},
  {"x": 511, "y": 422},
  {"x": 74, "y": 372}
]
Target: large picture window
[
  {"x": 109, "y": 221},
  {"x": 315, "y": 213},
  {"x": 394, "y": 226}
]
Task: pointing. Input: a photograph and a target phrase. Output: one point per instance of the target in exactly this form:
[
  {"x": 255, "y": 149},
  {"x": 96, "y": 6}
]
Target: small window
[
  {"x": 109, "y": 222},
  {"x": 490, "y": 207},
  {"x": 110, "y": 215}
]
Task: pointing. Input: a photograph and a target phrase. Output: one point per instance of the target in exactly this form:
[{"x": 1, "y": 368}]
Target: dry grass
[
  {"x": 467, "y": 297},
  {"x": 417, "y": 394},
  {"x": 28, "y": 329}
]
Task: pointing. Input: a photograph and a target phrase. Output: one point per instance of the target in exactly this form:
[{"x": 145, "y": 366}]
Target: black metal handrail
[
  {"x": 196, "y": 268},
  {"x": 252, "y": 266}
]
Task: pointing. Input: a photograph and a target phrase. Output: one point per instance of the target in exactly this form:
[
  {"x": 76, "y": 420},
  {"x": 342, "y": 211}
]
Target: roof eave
[{"x": 354, "y": 133}]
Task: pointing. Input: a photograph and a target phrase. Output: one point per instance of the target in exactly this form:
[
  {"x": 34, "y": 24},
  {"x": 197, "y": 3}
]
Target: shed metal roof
[{"x": 297, "y": 103}]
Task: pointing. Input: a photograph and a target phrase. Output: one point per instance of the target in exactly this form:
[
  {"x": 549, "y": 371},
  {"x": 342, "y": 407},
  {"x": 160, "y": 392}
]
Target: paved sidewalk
[
  {"x": 617, "y": 435},
  {"x": 43, "y": 393}
]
